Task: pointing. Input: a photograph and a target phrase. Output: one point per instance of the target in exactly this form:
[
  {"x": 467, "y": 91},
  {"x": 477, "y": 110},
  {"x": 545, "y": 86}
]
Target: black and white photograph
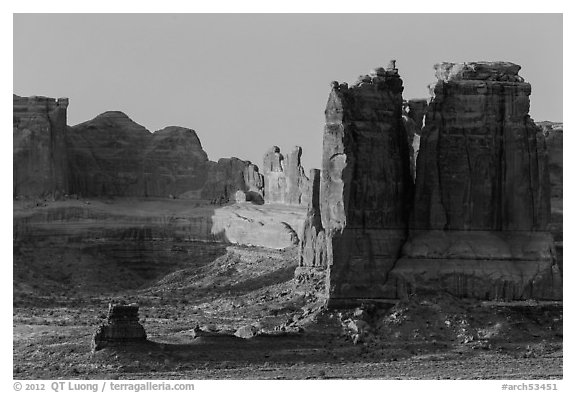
[{"x": 286, "y": 197}]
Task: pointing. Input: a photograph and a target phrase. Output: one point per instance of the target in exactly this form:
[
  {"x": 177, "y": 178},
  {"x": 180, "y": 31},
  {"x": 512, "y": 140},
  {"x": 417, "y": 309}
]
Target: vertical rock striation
[
  {"x": 39, "y": 142},
  {"x": 482, "y": 199},
  {"x": 365, "y": 187}
]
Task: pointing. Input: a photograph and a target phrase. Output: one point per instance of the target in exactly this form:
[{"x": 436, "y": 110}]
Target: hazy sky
[{"x": 246, "y": 82}]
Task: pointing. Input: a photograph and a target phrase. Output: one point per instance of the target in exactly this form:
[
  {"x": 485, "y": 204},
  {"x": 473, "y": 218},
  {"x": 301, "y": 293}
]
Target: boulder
[{"x": 247, "y": 331}]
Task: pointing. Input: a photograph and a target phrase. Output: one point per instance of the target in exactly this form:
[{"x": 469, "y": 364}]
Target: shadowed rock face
[
  {"x": 483, "y": 160},
  {"x": 111, "y": 155},
  {"x": 482, "y": 184},
  {"x": 106, "y": 156},
  {"x": 365, "y": 186},
  {"x": 553, "y": 133},
  {"x": 284, "y": 178},
  {"x": 39, "y": 138}
]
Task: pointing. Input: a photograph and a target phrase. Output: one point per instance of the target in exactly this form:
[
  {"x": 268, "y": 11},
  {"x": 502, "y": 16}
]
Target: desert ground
[{"x": 196, "y": 294}]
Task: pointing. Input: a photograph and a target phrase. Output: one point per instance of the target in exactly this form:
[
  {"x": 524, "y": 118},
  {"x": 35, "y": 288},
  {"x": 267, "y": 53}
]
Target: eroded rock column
[{"x": 365, "y": 187}]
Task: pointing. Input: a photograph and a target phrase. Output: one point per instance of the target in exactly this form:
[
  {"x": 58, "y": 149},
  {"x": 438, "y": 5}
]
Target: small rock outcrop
[
  {"x": 39, "y": 137},
  {"x": 284, "y": 178},
  {"x": 365, "y": 188},
  {"x": 121, "y": 327},
  {"x": 482, "y": 197}
]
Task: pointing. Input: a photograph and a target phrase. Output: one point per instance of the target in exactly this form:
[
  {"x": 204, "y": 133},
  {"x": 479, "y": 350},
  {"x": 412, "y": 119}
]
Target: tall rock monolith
[
  {"x": 365, "y": 187},
  {"x": 482, "y": 198}
]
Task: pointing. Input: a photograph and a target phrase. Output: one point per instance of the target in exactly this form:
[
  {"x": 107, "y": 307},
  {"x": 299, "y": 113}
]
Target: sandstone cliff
[
  {"x": 39, "y": 138},
  {"x": 483, "y": 160},
  {"x": 111, "y": 155},
  {"x": 106, "y": 156},
  {"x": 482, "y": 198}
]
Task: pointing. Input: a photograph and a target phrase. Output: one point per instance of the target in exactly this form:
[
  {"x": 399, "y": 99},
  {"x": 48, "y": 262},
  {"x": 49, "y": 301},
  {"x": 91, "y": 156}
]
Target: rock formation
[
  {"x": 365, "y": 187},
  {"x": 413, "y": 112},
  {"x": 229, "y": 175},
  {"x": 111, "y": 155},
  {"x": 416, "y": 109},
  {"x": 312, "y": 247},
  {"x": 106, "y": 156},
  {"x": 39, "y": 138},
  {"x": 121, "y": 327},
  {"x": 482, "y": 198},
  {"x": 553, "y": 133},
  {"x": 284, "y": 178}
]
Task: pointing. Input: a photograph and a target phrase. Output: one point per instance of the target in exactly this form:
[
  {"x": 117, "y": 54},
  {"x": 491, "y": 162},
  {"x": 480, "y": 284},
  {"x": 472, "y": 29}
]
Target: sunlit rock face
[
  {"x": 482, "y": 196},
  {"x": 285, "y": 180}
]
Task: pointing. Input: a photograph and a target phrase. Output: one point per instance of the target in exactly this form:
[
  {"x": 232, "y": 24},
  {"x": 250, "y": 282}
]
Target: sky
[{"x": 246, "y": 82}]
